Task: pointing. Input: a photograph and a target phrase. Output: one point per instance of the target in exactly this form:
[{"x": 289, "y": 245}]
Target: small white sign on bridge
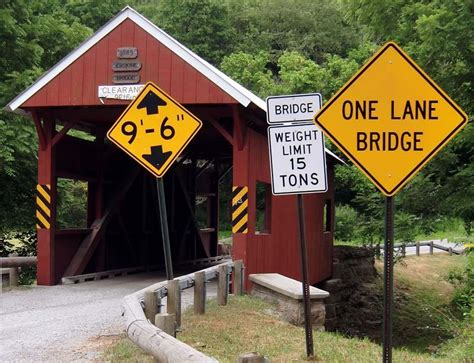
[
  {"x": 292, "y": 108},
  {"x": 297, "y": 155},
  {"x": 298, "y": 162}
]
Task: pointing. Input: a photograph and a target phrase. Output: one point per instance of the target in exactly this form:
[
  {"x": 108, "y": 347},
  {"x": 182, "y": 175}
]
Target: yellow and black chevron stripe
[
  {"x": 43, "y": 206},
  {"x": 240, "y": 213}
]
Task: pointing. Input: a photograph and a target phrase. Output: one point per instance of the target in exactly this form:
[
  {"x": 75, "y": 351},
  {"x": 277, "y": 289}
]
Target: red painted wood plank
[
  {"x": 52, "y": 90},
  {"x": 38, "y": 99},
  {"x": 229, "y": 99},
  {"x": 202, "y": 90},
  {"x": 151, "y": 57},
  {"x": 164, "y": 68},
  {"x": 216, "y": 95},
  {"x": 115, "y": 41},
  {"x": 89, "y": 83},
  {"x": 64, "y": 93},
  {"x": 77, "y": 72},
  {"x": 140, "y": 42},
  {"x": 128, "y": 31},
  {"x": 177, "y": 78},
  {"x": 102, "y": 67},
  {"x": 190, "y": 83}
]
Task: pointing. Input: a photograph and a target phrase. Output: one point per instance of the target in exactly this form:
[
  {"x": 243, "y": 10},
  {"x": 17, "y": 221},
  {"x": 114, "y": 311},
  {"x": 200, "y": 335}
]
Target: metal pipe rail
[{"x": 431, "y": 244}]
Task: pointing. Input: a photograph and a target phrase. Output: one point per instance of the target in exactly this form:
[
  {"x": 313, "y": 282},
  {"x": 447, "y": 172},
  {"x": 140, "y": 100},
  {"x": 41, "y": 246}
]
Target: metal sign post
[
  {"x": 298, "y": 166},
  {"x": 388, "y": 280},
  {"x": 304, "y": 272},
  {"x": 164, "y": 228}
]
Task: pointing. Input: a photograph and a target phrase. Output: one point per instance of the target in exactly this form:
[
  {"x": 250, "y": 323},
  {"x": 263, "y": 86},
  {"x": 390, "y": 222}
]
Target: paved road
[{"x": 60, "y": 323}]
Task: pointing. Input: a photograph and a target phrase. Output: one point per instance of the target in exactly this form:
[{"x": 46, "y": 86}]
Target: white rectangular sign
[
  {"x": 297, "y": 159},
  {"x": 292, "y": 108},
  {"x": 120, "y": 92}
]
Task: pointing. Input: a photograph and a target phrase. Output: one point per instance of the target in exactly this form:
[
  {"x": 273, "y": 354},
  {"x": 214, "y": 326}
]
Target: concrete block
[
  {"x": 290, "y": 303},
  {"x": 286, "y": 286}
]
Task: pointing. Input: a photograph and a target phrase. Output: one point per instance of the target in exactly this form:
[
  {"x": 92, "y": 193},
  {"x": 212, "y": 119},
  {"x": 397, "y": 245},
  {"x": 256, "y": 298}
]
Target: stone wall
[{"x": 352, "y": 290}]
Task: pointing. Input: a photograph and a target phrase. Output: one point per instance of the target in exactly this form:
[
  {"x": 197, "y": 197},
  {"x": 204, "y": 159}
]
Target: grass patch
[
  {"x": 248, "y": 324},
  {"x": 423, "y": 322},
  {"x": 124, "y": 350},
  {"x": 423, "y": 318}
]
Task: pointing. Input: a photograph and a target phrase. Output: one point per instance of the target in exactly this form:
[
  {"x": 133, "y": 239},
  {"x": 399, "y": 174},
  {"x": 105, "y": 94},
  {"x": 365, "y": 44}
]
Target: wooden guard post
[
  {"x": 166, "y": 322},
  {"x": 152, "y": 302},
  {"x": 222, "y": 285},
  {"x": 251, "y": 357},
  {"x": 238, "y": 282},
  {"x": 199, "y": 293},
  {"x": 173, "y": 304}
]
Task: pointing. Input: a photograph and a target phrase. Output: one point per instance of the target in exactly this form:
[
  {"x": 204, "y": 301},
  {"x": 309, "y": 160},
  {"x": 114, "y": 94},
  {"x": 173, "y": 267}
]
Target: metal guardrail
[{"x": 402, "y": 248}]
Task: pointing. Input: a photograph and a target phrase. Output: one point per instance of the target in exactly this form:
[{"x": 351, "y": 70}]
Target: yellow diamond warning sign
[
  {"x": 154, "y": 129},
  {"x": 390, "y": 119}
]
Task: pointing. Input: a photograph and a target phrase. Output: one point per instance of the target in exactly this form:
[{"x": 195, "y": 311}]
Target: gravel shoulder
[{"x": 66, "y": 323}]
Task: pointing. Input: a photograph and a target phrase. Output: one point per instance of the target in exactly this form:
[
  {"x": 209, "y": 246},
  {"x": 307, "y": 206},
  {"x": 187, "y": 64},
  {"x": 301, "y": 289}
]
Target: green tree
[
  {"x": 312, "y": 28},
  {"x": 203, "y": 26},
  {"x": 34, "y": 36},
  {"x": 251, "y": 71},
  {"x": 94, "y": 13}
]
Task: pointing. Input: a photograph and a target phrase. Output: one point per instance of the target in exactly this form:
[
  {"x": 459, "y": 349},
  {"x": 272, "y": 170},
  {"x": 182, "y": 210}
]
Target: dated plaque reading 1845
[{"x": 127, "y": 53}]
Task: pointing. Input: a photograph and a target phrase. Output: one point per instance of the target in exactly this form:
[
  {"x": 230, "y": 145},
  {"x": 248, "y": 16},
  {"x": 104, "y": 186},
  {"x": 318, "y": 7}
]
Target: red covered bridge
[{"x": 86, "y": 91}]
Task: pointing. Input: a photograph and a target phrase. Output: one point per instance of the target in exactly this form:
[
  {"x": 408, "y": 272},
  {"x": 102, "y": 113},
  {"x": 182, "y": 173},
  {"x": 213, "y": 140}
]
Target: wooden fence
[{"x": 154, "y": 331}]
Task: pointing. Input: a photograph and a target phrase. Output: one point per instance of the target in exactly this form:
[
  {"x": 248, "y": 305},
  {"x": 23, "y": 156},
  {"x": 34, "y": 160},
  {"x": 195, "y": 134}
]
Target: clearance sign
[
  {"x": 154, "y": 129},
  {"x": 390, "y": 119}
]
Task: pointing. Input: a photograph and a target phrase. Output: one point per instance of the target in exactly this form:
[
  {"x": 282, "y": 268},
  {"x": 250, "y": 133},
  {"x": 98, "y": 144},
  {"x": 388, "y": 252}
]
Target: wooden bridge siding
[
  {"x": 77, "y": 84},
  {"x": 67, "y": 243},
  {"x": 278, "y": 251}
]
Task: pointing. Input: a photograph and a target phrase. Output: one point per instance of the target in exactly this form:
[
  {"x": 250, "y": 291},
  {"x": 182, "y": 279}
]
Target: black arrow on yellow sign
[
  {"x": 157, "y": 157},
  {"x": 151, "y": 102}
]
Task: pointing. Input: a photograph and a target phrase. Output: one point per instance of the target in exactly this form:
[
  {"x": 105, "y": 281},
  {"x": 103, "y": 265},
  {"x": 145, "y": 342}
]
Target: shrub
[
  {"x": 347, "y": 220},
  {"x": 463, "y": 280}
]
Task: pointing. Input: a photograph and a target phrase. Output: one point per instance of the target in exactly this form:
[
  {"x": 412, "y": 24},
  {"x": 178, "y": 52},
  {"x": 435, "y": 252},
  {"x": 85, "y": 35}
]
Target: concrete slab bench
[{"x": 287, "y": 295}]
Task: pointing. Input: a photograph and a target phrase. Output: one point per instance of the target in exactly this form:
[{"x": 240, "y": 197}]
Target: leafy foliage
[
  {"x": 21, "y": 244},
  {"x": 289, "y": 47},
  {"x": 72, "y": 204}
]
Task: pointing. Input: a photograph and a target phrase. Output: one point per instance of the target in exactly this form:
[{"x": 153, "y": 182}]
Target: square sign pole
[
  {"x": 390, "y": 119},
  {"x": 298, "y": 166}
]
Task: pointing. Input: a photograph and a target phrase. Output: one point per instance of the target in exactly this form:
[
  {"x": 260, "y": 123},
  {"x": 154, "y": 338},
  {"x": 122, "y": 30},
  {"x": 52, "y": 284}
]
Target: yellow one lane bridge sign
[{"x": 390, "y": 119}]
